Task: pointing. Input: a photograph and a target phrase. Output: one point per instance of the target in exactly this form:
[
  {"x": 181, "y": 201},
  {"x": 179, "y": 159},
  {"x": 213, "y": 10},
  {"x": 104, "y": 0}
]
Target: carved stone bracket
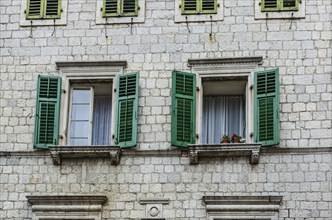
[
  {"x": 224, "y": 150},
  {"x": 60, "y": 152}
]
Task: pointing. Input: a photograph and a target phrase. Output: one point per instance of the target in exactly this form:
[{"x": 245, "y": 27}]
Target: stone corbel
[
  {"x": 224, "y": 150},
  {"x": 58, "y": 153}
]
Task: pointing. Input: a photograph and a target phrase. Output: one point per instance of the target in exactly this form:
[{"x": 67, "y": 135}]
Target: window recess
[
  {"x": 279, "y": 5},
  {"x": 189, "y": 7},
  {"x": 43, "y": 9},
  {"x": 114, "y": 8}
]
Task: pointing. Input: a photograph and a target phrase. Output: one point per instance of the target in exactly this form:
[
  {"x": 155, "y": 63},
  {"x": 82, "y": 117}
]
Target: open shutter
[
  {"x": 110, "y": 8},
  {"x": 127, "y": 107},
  {"x": 52, "y": 9},
  {"x": 34, "y": 9},
  {"x": 209, "y": 6},
  {"x": 189, "y": 7},
  {"x": 183, "y": 108},
  {"x": 47, "y": 111},
  {"x": 129, "y": 8},
  {"x": 267, "y": 107}
]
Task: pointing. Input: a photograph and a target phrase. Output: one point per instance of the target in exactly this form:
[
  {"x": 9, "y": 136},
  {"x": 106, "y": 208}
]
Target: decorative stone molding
[
  {"x": 242, "y": 207},
  {"x": 60, "y": 152},
  {"x": 67, "y": 207},
  {"x": 224, "y": 150},
  {"x": 154, "y": 207}
]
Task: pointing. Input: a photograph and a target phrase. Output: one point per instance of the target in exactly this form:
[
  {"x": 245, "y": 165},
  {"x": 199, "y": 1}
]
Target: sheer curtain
[
  {"x": 222, "y": 115},
  {"x": 101, "y": 120}
]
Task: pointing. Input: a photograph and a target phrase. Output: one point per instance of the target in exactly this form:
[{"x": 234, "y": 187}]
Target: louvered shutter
[
  {"x": 52, "y": 9},
  {"x": 267, "y": 107},
  {"x": 183, "y": 109},
  {"x": 280, "y": 5},
  {"x": 208, "y": 6},
  {"x": 129, "y": 7},
  {"x": 47, "y": 111},
  {"x": 34, "y": 9},
  {"x": 127, "y": 107},
  {"x": 110, "y": 8},
  {"x": 189, "y": 7}
]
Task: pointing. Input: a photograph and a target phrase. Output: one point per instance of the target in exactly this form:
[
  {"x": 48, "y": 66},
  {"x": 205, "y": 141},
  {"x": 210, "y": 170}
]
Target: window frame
[
  {"x": 289, "y": 14},
  {"x": 52, "y": 21},
  {"x": 280, "y": 6},
  {"x": 82, "y": 73},
  {"x": 139, "y": 18},
  {"x": 249, "y": 104},
  {"x": 201, "y": 17},
  {"x": 119, "y": 11},
  {"x": 43, "y": 10},
  {"x": 199, "y": 8}
]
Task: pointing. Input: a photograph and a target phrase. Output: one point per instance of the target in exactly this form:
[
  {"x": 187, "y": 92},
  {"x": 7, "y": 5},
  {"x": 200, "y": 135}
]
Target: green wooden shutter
[
  {"x": 34, "y": 9},
  {"x": 183, "y": 129},
  {"x": 280, "y": 5},
  {"x": 267, "y": 107},
  {"x": 209, "y": 6},
  {"x": 47, "y": 111},
  {"x": 126, "y": 109},
  {"x": 52, "y": 9},
  {"x": 111, "y": 8}
]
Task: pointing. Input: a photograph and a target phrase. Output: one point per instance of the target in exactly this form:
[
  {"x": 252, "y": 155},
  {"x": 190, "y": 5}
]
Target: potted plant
[
  {"x": 225, "y": 139},
  {"x": 236, "y": 138}
]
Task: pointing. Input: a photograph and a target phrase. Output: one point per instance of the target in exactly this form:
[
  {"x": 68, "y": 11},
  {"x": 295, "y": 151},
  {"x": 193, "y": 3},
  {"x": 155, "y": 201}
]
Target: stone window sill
[
  {"x": 60, "y": 152},
  {"x": 224, "y": 150}
]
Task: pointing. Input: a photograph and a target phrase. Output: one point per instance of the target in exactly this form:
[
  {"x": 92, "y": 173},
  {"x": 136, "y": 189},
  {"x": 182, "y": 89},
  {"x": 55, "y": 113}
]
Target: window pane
[
  {"x": 80, "y": 112},
  {"x": 79, "y": 129},
  {"x": 81, "y": 96}
]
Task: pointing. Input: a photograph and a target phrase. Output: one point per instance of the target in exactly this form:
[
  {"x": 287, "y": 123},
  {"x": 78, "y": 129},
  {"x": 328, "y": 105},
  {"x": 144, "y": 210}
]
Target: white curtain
[
  {"x": 222, "y": 115},
  {"x": 101, "y": 120}
]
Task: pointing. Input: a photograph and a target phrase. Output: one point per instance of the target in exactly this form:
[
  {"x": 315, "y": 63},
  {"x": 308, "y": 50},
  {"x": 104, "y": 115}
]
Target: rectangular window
[
  {"x": 198, "y": 7},
  {"x": 90, "y": 114},
  {"x": 114, "y": 8},
  {"x": 224, "y": 108},
  {"x": 43, "y": 9},
  {"x": 279, "y": 5}
]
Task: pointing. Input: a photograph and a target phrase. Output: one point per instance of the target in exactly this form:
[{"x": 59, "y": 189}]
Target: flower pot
[
  {"x": 236, "y": 141},
  {"x": 225, "y": 141}
]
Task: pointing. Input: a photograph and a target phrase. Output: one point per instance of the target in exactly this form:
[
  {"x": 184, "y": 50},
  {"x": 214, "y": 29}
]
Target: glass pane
[
  {"x": 79, "y": 141},
  {"x": 80, "y": 112},
  {"x": 81, "y": 96},
  {"x": 79, "y": 129}
]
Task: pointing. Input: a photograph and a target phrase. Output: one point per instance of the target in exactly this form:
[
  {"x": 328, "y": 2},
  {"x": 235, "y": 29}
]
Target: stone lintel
[
  {"x": 222, "y": 61},
  {"x": 224, "y": 150},
  {"x": 242, "y": 200},
  {"x": 59, "y": 152},
  {"x": 67, "y": 200},
  {"x": 69, "y": 64}
]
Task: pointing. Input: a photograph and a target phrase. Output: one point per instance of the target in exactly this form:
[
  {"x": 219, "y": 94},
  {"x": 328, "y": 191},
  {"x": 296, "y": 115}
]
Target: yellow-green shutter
[
  {"x": 279, "y": 5},
  {"x": 47, "y": 111},
  {"x": 183, "y": 129},
  {"x": 113, "y": 8}
]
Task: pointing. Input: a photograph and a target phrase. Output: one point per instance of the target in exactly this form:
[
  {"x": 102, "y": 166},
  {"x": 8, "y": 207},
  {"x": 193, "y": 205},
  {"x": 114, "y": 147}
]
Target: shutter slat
[{"x": 183, "y": 108}]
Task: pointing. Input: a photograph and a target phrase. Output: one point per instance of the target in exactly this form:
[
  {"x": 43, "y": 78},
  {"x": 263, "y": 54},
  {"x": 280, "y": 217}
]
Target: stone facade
[{"x": 298, "y": 169}]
